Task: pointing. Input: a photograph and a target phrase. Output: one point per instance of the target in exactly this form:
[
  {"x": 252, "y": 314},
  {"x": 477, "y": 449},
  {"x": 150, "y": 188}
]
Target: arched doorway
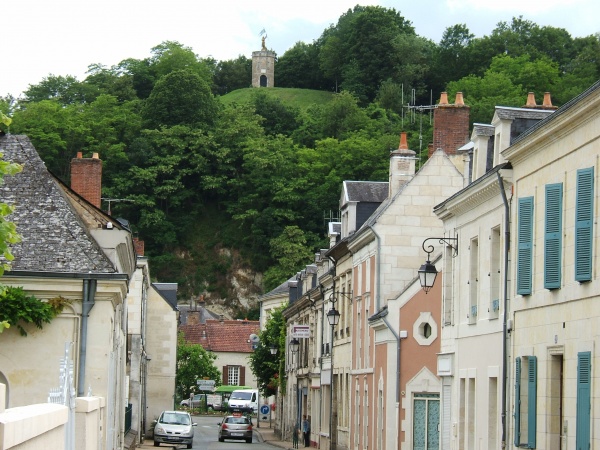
[
  {"x": 263, "y": 81},
  {"x": 4, "y": 381}
]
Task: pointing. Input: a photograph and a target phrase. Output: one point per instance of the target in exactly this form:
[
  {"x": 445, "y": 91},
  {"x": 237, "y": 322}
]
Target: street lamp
[
  {"x": 333, "y": 317},
  {"x": 427, "y": 271},
  {"x": 294, "y": 345},
  {"x": 273, "y": 348}
]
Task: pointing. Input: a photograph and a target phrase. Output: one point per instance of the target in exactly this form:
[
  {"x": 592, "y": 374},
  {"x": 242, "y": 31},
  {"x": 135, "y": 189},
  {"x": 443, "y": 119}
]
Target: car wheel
[
  {"x": 221, "y": 440},
  {"x": 189, "y": 446},
  {"x": 156, "y": 444},
  {"x": 249, "y": 441}
]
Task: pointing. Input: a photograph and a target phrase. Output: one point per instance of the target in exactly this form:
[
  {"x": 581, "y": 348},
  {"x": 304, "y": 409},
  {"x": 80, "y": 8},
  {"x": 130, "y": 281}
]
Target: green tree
[
  {"x": 180, "y": 98},
  {"x": 66, "y": 90},
  {"x": 291, "y": 252},
  {"x": 233, "y": 74},
  {"x": 267, "y": 368},
  {"x": 299, "y": 67},
  {"x": 279, "y": 118},
  {"x": 193, "y": 363}
]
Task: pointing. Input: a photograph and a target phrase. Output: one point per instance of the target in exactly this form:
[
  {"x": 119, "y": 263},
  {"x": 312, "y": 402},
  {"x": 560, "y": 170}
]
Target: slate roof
[
  {"x": 54, "y": 237},
  {"x": 505, "y": 112},
  {"x": 204, "y": 314},
  {"x": 168, "y": 291},
  {"x": 483, "y": 129},
  {"x": 366, "y": 191},
  {"x": 225, "y": 336}
]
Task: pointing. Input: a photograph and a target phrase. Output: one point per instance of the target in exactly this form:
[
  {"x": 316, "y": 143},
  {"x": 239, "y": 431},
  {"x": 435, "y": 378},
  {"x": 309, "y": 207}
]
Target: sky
[{"x": 64, "y": 37}]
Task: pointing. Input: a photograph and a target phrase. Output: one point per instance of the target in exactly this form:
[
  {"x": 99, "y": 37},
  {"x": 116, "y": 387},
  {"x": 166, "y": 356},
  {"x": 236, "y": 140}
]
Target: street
[{"x": 205, "y": 437}]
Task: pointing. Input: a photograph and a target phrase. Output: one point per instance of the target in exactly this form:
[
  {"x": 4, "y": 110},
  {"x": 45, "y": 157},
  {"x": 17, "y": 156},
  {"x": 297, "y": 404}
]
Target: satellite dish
[{"x": 254, "y": 338}]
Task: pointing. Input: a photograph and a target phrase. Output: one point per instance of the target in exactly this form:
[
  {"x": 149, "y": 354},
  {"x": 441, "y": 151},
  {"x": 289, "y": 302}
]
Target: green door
[{"x": 426, "y": 420}]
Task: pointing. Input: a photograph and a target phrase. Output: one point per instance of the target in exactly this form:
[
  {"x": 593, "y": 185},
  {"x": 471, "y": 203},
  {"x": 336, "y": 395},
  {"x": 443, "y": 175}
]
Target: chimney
[
  {"x": 138, "y": 246},
  {"x": 193, "y": 317},
  {"x": 530, "y": 101},
  {"x": 402, "y": 166},
  {"x": 547, "y": 103},
  {"x": 450, "y": 124},
  {"x": 86, "y": 178}
]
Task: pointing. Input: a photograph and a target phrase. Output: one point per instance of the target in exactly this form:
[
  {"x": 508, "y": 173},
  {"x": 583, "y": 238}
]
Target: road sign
[
  {"x": 206, "y": 385},
  {"x": 264, "y": 409}
]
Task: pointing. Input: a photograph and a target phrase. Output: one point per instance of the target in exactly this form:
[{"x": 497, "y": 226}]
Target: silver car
[
  {"x": 236, "y": 426},
  {"x": 174, "y": 427}
]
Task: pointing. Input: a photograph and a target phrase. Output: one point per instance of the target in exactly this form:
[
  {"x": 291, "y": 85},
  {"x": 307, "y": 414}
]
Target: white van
[{"x": 245, "y": 400}]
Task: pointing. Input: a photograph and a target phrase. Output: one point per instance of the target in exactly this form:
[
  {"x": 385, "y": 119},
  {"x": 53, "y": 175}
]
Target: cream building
[{"x": 555, "y": 388}]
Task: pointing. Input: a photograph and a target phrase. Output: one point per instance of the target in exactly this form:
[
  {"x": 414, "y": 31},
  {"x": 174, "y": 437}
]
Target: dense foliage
[
  {"x": 201, "y": 175},
  {"x": 193, "y": 364},
  {"x": 266, "y": 367}
]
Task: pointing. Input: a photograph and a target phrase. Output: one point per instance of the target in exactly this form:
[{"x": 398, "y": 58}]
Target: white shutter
[{"x": 446, "y": 416}]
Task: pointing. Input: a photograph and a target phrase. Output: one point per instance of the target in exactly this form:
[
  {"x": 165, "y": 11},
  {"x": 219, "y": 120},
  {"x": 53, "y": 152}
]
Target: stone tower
[{"x": 263, "y": 67}]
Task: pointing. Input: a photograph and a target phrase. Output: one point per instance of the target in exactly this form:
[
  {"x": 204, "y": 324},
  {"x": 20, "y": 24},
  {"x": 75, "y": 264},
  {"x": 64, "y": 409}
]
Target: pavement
[{"x": 262, "y": 434}]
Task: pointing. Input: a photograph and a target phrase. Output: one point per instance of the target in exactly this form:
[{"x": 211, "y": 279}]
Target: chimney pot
[
  {"x": 547, "y": 100},
  {"x": 95, "y": 155},
  {"x": 403, "y": 142},
  {"x": 459, "y": 101},
  {"x": 444, "y": 98},
  {"x": 79, "y": 155},
  {"x": 530, "y": 100}
]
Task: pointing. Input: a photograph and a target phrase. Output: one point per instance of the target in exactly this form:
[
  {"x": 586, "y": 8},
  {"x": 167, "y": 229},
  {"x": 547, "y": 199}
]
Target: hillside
[{"x": 299, "y": 98}]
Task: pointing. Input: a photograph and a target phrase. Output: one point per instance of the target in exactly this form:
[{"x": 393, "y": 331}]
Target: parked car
[
  {"x": 236, "y": 426},
  {"x": 174, "y": 427},
  {"x": 244, "y": 400},
  {"x": 195, "y": 402}
]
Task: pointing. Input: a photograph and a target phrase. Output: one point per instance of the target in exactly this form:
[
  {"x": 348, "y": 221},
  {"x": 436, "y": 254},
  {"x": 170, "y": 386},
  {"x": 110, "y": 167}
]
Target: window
[
  {"x": 524, "y": 245},
  {"x": 473, "y": 280},
  {"x": 525, "y": 401},
  {"x": 584, "y": 213},
  {"x": 553, "y": 236},
  {"x": 233, "y": 375},
  {"x": 496, "y": 255},
  {"x": 582, "y": 428}
]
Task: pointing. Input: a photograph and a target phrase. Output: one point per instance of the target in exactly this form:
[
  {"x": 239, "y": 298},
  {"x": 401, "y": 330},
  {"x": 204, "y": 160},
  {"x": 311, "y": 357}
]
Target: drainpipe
[
  {"x": 378, "y": 273},
  {"x": 89, "y": 295},
  {"x": 505, "y": 318},
  {"x": 398, "y": 377}
]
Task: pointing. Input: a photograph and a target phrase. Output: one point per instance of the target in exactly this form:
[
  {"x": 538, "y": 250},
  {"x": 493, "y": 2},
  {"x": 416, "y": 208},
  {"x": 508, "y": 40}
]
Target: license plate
[{"x": 237, "y": 434}]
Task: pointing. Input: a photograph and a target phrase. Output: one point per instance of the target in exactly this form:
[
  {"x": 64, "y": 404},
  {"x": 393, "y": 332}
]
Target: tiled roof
[
  {"x": 366, "y": 191},
  {"x": 54, "y": 237},
  {"x": 225, "y": 336}
]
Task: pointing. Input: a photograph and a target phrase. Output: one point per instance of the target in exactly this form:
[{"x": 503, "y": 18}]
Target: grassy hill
[{"x": 300, "y": 98}]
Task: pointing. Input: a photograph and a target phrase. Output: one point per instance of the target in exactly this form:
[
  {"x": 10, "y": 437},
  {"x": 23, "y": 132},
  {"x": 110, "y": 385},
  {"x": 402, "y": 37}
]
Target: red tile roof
[{"x": 225, "y": 336}]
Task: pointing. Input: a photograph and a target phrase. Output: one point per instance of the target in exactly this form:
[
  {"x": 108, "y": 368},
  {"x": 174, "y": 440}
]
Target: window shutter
[
  {"x": 584, "y": 212},
  {"x": 517, "y": 401},
  {"x": 531, "y": 401},
  {"x": 225, "y": 375},
  {"x": 242, "y": 376},
  {"x": 582, "y": 427},
  {"x": 553, "y": 236},
  {"x": 525, "y": 246}
]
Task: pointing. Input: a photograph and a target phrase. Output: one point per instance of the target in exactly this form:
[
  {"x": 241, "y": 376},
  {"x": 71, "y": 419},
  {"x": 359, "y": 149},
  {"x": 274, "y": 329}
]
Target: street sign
[
  {"x": 301, "y": 331},
  {"x": 206, "y": 385},
  {"x": 264, "y": 409}
]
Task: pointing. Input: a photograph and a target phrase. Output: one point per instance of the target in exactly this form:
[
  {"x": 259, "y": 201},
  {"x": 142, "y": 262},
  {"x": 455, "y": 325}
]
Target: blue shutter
[
  {"x": 525, "y": 246},
  {"x": 584, "y": 213},
  {"x": 582, "y": 428},
  {"x": 517, "y": 414},
  {"x": 553, "y": 236},
  {"x": 531, "y": 401}
]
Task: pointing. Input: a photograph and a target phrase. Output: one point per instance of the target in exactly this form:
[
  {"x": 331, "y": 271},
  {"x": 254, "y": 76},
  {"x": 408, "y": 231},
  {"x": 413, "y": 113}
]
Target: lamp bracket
[
  {"x": 335, "y": 295},
  {"x": 449, "y": 241}
]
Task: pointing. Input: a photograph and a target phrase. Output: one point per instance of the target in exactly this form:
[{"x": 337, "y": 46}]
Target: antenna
[
  {"x": 110, "y": 200},
  {"x": 334, "y": 216}
]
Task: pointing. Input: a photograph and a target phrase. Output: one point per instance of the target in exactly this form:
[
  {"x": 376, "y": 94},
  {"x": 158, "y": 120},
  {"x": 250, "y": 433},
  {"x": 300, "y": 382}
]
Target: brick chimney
[
  {"x": 138, "y": 246},
  {"x": 450, "y": 124},
  {"x": 193, "y": 318},
  {"x": 86, "y": 178},
  {"x": 402, "y": 166}
]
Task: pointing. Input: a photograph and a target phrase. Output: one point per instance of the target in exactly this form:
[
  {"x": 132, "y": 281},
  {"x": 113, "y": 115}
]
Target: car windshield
[
  {"x": 239, "y": 420},
  {"x": 175, "y": 419},
  {"x": 241, "y": 395}
]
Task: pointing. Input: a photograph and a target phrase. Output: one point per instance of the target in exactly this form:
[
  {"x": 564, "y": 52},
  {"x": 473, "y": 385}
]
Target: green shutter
[
  {"x": 525, "y": 246},
  {"x": 584, "y": 214},
  {"x": 553, "y": 236},
  {"x": 582, "y": 428},
  {"x": 531, "y": 401},
  {"x": 517, "y": 414}
]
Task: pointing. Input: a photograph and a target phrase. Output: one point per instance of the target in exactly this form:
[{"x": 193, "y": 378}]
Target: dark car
[
  {"x": 236, "y": 426},
  {"x": 174, "y": 427}
]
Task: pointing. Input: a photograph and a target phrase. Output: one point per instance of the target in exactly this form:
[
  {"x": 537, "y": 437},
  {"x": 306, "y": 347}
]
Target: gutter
[
  {"x": 505, "y": 303},
  {"x": 88, "y": 302}
]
